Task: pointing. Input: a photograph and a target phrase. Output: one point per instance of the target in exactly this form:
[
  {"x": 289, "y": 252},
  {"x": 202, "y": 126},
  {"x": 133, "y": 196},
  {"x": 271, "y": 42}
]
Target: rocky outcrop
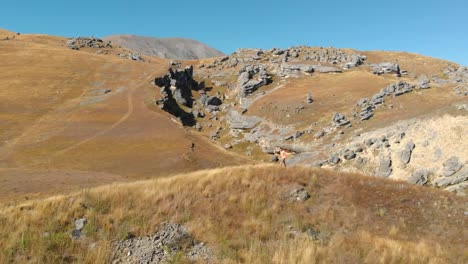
[
  {"x": 385, "y": 68},
  {"x": 87, "y": 42},
  {"x": 171, "y": 239},
  {"x": 176, "y": 89},
  {"x": 179, "y": 84},
  {"x": 251, "y": 78}
]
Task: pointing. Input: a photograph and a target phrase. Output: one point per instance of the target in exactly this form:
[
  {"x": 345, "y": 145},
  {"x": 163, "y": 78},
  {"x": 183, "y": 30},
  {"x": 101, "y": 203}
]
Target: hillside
[
  {"x": 86, "y": 114},
  {"x": 249, "y": 214},
  {"x": 107, "y": 155},
  {"x": 169, "y": 48}
]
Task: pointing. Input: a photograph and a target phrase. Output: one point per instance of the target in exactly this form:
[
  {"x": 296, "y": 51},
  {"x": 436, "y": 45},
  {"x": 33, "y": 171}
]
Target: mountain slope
[{"x": 169, "y": 48}]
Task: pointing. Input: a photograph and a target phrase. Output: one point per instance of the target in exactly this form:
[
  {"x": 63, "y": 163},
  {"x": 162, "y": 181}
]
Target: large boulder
[{"x": 384, "y": 168}]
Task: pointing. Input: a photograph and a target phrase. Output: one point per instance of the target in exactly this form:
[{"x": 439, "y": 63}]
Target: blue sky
[{"x": 434, "y": 28}]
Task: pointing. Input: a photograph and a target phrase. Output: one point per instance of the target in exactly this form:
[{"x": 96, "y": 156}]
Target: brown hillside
[{"x": 55, "y": 115}]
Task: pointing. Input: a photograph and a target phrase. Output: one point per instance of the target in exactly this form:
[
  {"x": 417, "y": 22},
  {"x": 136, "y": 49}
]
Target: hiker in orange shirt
[{"x": 283, "y": 154}]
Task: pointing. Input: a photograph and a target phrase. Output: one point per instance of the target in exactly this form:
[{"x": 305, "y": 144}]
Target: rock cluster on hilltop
[
  {"x": 171, "y": 239},
  {"x": 87, "y": 42}
]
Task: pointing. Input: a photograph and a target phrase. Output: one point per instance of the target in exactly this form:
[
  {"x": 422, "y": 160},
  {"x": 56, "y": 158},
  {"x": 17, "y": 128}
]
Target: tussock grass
[{"x": 241, "y": 213}]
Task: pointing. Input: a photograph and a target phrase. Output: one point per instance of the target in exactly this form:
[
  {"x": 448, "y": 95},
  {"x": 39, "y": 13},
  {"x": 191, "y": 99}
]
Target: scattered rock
[
  {"x": 309, "y": 99},
  {"x": 170, "y": 239},
  {"x": 339, "y": 120},
  {"x": 349, "y": 154},
  {"x": 319, "y": 134},
  {"x": 79, "y": 225},
  {"x": 298, "y": 194},
  {"x": 424, "y": 82}
]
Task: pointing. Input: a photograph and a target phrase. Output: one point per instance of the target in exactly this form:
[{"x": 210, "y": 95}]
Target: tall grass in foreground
[{"x": 241, "y": 213}]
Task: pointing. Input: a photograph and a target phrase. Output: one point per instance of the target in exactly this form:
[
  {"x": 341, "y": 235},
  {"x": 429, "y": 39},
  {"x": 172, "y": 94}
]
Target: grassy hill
[{"x": 245, "y": 214}]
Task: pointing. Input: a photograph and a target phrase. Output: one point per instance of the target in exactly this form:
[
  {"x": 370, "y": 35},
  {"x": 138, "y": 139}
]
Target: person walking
[{"x": 283, "y": 154}]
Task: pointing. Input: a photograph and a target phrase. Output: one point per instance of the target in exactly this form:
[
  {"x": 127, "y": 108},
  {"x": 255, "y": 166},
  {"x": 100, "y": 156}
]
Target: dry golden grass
[{"x": 241, "y": 213}]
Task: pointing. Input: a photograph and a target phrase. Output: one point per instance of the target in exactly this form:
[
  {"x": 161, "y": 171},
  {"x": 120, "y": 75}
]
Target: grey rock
[
  {"x": 319, "y": 134},
  {"x": 298, "y": 134},
  {"x": 326, "y": 69},
  {"x": 309, "y": 98},
  {"x": 366, "y": 113},
  {"x": 79, "y": 225},
  {"x": 362, "y": 102},
  {"x": 213, "y": 100},
  {"x": 298, "y": 194},
  {"x": 246, "y": 82},
  {"x": 385, "y": 67},
  {"x": 419, "y": 177},
  {"x": 405, "y": 154},
  {"x": 170, "y": 239},
  {"x": 349, "y": 154},
  {"x": 227, "y": 146},
  {"x": 384, "y": 168},
  {"x": 424, "y": 82},
  {"x": 339, "y": 120},
  {"x": 451, "y": 166},
  {"x": 402, "y": 88},
  {"x": 334, "y": 159},
  {"x": 238, "y": 121},
  {"x": 459, "y": 177}
]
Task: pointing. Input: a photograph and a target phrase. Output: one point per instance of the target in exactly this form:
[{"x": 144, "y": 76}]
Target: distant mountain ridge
[{"x": 168, "y": 48}]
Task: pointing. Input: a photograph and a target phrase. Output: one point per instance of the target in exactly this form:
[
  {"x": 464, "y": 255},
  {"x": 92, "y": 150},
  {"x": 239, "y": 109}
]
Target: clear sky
[{"x": 434, "y": 28}]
